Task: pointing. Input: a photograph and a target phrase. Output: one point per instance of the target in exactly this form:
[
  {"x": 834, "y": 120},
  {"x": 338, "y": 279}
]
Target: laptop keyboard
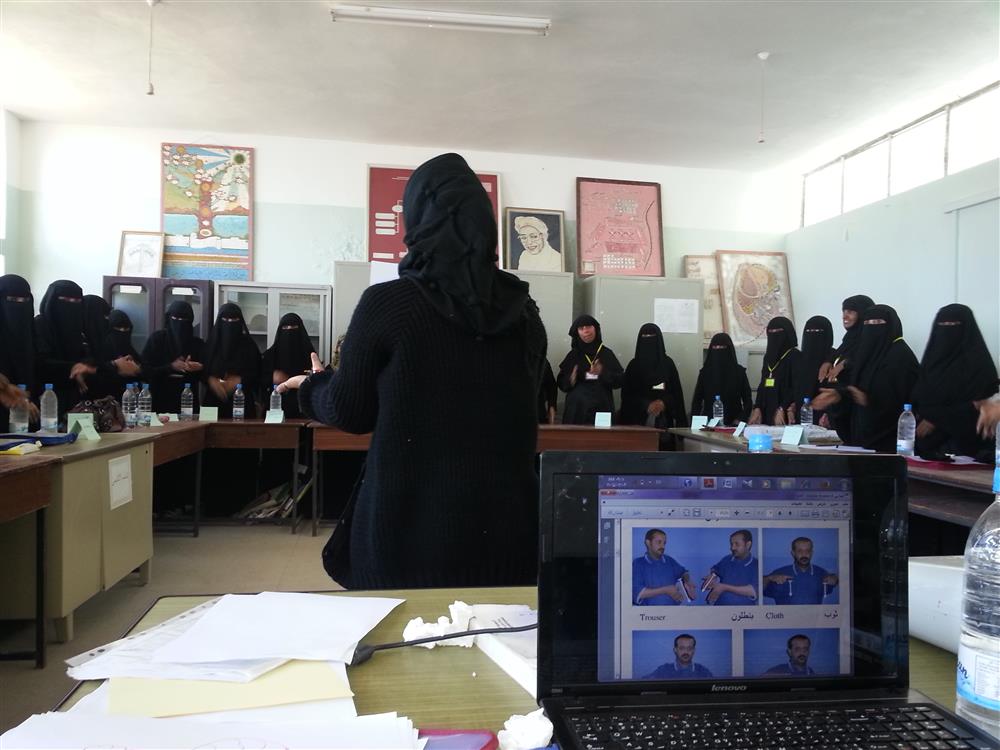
[{"x": 912, "y": 727}]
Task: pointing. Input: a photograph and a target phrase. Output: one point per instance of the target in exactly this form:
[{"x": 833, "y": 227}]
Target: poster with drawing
[
  {"x": 754, "y": 288},
  {"x": 703, "y": 267},
  {"x": 619, "y": 227}
]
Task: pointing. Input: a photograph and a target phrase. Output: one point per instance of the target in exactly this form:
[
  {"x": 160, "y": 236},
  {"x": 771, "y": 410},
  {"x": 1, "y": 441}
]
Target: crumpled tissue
[
  {"x": 460, "y": 612},
  {"x": 526, "y": 732}
]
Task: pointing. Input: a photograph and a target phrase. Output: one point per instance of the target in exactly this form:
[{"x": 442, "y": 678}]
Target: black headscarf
[
  {"x": 61, "y": 321},
  {"x": 451, "y": 236},
  {"x": 721, "y": 373},
  {"x": 118, "y": 343},
  {"x": 230, "y": 348},
  {"x": 957, "y": 367},
  {"x": 17, "y": 332},
  {"x": 874, "y": 345},
  {"x": 95, "y": 324},
  {"x": 859, "y": 303},
  {"x": 651, "y": 356},
  {"x": 817, "y": 346},
  {"x": 780, "y": 342},
  {"x": 578, "y": 345},
  {"x": 291, "y": 349},
  {"x": 180, "y": 333}
]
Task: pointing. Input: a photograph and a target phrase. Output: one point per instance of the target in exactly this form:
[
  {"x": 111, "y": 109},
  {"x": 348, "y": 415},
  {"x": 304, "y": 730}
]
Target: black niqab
[
  {"x": 61, "y": 320},
  {"x": 721, "y": 374},
  {"x": 179, "y": 325},
  {"x": 230, "y": 344},
  {"x": 780, "y": 341},
  {"x": 874, "y": 344},
  {"x": 17, "y": 332},
  {"x": 95, "y": 325},
  {"x": 817, "y": 348},
  {"x": 118, "y": 342},
  {"x": 451, "y": 236},
  {"x": 292, "y": 347},
  {"x": 651, "y": 355},
  {"x": 956, "y": 367}
]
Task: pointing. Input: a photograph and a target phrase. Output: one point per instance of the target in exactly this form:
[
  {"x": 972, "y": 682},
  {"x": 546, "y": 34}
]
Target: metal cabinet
[
  {"x": 263, "y": 305},
  {"x": 145, "y": 301}
]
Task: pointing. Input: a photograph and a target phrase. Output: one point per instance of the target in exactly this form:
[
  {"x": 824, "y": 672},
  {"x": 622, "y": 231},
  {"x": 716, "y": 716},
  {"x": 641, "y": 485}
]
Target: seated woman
[
  {"x": 883, "y": 374},
  {"x": 172, "y": 357},
  {"x": 957, "y": 374},
  {"x": 589, "y": 374},
  {"x": 64, "y": 358},
  {"x": 778, "y": 386},
  {"x": 231, "y": 359},
  {"x": 17, "y": 343},
  {"x": 117, "y": 361},
  {"x": 292, "y": 354},
  {"x": 652, "y": 393},
  {"x": 723, "y": 376}
]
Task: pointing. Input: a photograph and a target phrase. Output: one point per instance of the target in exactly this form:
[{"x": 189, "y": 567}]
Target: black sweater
[{"x": 450, "y": 496}]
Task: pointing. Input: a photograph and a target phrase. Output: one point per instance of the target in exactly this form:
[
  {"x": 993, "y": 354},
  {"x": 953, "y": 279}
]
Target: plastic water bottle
[
  {"x": 718, "y": 410},
  {"x": 275, "y": 404},
  {"x": 806, "y": 413},
  {"x": 187, "y": 403},
  {"x": 19, "y": 414},
  {"x": 129, "y": 404},
  {"x": 239, "y": 403},
  {"x": 978, "y": 686},
  {"x": 50, "y": 410},
  {"x": 145, "y": 406},
  {"x": 906, "y": 431}
]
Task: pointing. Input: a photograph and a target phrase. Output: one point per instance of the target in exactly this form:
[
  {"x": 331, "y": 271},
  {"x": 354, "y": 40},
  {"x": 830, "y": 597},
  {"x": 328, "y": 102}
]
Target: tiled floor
[{"x": 224, "y": 559}]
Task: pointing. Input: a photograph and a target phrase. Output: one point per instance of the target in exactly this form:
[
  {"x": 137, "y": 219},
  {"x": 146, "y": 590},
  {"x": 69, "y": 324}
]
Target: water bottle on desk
[
  {"x": 145, "y": 406},
  {"x": 978, "y": 690},
  {"x": 19, "y": 414},
  {"x": 275, "y": 404},
  {"x": 239, "y": 403},
  {"x": 806, "y": 413},
  {"x": 718, "y": 409},
  {"x": 49, "y": 405},
  {"x": 187, "y": 403},
  {"x": 128, "y": 405},
  {"x": 906, "y": 431}
]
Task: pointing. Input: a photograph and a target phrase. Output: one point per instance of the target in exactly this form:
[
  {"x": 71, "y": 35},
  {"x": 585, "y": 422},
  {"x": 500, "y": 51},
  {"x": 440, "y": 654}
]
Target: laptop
[{"x": 729, "y": 601}]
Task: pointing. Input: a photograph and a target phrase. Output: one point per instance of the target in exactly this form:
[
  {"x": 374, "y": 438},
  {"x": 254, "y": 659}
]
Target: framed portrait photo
[
  {"x": 619, "y": 225},
  {"x": 141, "y": 254},
  {"x": 534, "y": 239}
]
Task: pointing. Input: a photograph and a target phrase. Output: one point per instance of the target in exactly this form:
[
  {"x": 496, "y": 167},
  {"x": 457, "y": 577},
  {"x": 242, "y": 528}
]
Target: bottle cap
[
  {"x": 22, "y": 386},
  {"x": 718, "y": 397},
  {"x": 807, "y": 400},
  {"x": 239, "y": 386},
  {"x": 187, "y": 385},
  {"x": 48, "y": 386},
  {"x": 907, "y": 407}
]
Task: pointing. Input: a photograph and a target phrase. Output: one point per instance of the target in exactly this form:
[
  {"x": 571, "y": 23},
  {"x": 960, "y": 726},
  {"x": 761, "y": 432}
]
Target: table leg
[
  {"x": 40, "y": 589},
  {"x": 197, "y": 494},
  {"x": 317, "y": 481},
  {"x": 295, "y": 489},
  {"x": 144, "y": 572},
  {"x": 64, "y": 628}
]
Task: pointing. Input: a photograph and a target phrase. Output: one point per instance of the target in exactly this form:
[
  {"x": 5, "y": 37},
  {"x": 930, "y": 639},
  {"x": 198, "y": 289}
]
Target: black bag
[
  {"x": 337, "y": 550},
  {"x": 108, "y": 415}
]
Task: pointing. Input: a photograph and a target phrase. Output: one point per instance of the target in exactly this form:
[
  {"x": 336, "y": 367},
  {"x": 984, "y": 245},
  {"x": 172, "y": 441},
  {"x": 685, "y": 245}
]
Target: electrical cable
[{"x": 364, "y": 651}]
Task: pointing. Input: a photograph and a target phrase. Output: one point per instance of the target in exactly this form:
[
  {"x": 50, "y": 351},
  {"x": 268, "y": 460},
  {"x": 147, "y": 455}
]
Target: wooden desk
[
  {"x": 176, "y": 440},
  {"x": 26, "y": 485},
  {"x": 550, "y": 438},
  {"x": 436, "y": 688}
]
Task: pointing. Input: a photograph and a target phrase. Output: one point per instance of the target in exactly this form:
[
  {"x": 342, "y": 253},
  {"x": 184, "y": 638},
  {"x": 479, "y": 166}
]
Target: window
[
  {"x": 974, "y": 132},
  {"x": 866, "y": 176},
  {"x": 917, "y": 155},
  {"x": 822, "y": 194}
]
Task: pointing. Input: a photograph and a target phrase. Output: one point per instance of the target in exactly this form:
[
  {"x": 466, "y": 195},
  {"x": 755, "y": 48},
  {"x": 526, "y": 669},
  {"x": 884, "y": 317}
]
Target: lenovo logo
[{"x": 728, "y": 688}]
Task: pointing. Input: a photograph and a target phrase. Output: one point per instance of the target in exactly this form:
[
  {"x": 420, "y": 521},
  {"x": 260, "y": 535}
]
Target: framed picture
[
  {"x": 619, "y": 227},
  {"x": 534, "y": 239},
  {"x": 704, "y": 267},
  {"x": 754, "y": 288},
  {"x": 207, "y": 211},
  {"x": 141, "y": 254},
  {"x": 386, "y": 227}
]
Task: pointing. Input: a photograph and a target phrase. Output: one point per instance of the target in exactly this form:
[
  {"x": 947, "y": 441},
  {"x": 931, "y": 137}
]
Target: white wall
[
  {"x": 83, "y": 185},
  {"x": 10, "y": 131},
  {"x": 901, "y": 251}
]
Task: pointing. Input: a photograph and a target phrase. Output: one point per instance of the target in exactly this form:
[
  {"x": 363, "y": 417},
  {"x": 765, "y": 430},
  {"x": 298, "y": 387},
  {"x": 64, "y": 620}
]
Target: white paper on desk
[
  {"x": 837, "y": 448},
  {"x": 278, "y": 626},
  {"x": 132, "y": 656},
  {"x": 676, "y": 315},
  {"x": 79, "y": 729}
]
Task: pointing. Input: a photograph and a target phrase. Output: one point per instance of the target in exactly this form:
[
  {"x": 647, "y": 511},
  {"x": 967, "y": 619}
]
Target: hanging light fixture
[
  {"x": 762, "y": 56},
  {"x": 149, "y": 67},
  {"x": 441, "y": 19}
]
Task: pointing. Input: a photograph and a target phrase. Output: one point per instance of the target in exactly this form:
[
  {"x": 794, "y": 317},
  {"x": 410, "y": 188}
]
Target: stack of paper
[{"x": 515, "y": 653}]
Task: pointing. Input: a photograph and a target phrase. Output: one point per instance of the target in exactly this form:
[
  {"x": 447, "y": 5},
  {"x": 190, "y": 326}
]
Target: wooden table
[
  {"x": 176, "y": 440},
  {"x": 26, "y": 487},
  {"x": 436, "y": 687},
  {"x": 550, "y": 438}
]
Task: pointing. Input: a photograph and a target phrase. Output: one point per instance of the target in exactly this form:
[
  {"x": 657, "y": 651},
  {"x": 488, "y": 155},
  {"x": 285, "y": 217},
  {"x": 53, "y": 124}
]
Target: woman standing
[
  {"x": 723, "y": 376},
  {"x": 778, "y": 386},
  {"x": 231, "y": 359},
  {"x": 17, "y": 342},
  {"x": 852, "y": 310},
  {"x": 291, "y": 355},
  {"x": 652, "y": 394},
  {"x": 172, "y": 357},
  {"x": 63, "y": 356},
  {"x": 817, "y": 350},
  {"x": 588, "y": 374}
]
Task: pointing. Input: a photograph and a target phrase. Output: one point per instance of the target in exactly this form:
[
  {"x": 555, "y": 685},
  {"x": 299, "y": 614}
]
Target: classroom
[{"x": 267, "y": 265}]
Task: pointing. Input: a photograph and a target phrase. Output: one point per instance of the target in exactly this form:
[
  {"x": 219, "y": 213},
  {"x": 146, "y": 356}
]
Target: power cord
[{"x": 364, "y": 651}]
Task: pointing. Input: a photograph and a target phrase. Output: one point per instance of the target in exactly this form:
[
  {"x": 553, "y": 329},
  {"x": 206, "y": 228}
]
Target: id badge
[
  {"x": 769, "y": 383},
  {"x": 658, "y": 387},
  {"x": 591, "y": 376}
]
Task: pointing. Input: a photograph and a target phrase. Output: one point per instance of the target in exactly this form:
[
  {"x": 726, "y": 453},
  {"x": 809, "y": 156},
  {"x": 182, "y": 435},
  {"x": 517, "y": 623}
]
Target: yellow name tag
[{"x": 769, "y": 383}]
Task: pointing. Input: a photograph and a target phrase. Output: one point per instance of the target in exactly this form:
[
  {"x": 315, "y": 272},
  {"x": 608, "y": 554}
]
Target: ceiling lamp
[{"x": 436, "y": 19}]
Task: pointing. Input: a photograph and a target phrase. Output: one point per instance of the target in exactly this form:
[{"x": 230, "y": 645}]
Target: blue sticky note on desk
[
  {"x": 792, "y": 435},
  {"x": 602, "y": 419},
  {"x": 208, "y": 414},
  {"x": 274, "y": 416},
  {"x": 698, "y": 422},
  {"x": 83, "y": 425}
]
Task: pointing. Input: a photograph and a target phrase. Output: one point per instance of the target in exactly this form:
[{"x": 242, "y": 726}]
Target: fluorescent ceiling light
[{"x": 441, "y": 19}]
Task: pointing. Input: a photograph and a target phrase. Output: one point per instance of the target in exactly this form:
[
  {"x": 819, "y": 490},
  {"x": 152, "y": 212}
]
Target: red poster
[{"x": 385, "y": 210}]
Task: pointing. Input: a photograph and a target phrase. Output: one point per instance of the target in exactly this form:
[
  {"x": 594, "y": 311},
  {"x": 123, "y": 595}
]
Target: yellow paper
[{"x": 293, "y": 682}]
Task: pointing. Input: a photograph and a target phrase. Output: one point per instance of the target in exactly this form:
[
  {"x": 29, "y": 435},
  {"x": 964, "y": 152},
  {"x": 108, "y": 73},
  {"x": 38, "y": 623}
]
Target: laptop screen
[{"x": 688, "y": 572}]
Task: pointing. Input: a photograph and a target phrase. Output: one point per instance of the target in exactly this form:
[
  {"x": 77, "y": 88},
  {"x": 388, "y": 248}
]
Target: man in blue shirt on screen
[
  {"x": 683, "y": 666},
  {"x": 732, "y": 582},
  {"x": 797, "y": 665},
  {"x": 801, "y": 583},
  {"x": 657, "y": 578}
]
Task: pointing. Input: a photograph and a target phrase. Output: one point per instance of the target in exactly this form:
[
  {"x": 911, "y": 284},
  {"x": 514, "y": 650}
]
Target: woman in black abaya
[
  {"x": 172, "y": 357},
  {"x": 852, "y": 310},
  {"x": 232, "y": 359},
  {"x": 112, "y": 355},
  {"x": 17, "y": 340},
  {"x": 64, "y": 358},
  {"x": 588, "y": 374},
  {"x": 956, "y": 374},
  {"x": 778, "y": 387},
  {"x": 652, "y": 393},
  {"x": 723, "y": 376},
  {"x": 291, "y": 355},
  {"x": 817, "y": 350}
]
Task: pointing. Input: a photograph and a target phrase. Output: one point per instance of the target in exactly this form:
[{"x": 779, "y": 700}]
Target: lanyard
[
  {"x": 591, "y": 361},
  {"x": 899, "y": 339},
  {"x": 770, "y": 370}
]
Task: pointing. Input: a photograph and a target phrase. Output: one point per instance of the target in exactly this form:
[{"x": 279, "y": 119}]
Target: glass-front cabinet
[
  {"x": 264, "y": 304},
  {"x": 145, "y": 301}
]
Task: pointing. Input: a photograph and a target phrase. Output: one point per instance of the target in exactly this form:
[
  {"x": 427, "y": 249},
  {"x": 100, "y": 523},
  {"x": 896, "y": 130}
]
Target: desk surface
[
  {"x": 109, "y": 442},
  {"x": 10, "y": 465},
  {"x": 436, "y": 687},
  {"x": 26, "y": 484}
]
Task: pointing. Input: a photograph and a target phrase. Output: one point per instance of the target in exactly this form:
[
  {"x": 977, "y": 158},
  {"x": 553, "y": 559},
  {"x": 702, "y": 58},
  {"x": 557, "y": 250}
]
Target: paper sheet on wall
[
  {"x": 120, "y": 480},
  {"x": 676, "y": 315},
  {"x": 379, "y": 272}
]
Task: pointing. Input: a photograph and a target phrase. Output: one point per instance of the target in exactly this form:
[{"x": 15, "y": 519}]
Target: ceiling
[{"x": 655, "y": 82}]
